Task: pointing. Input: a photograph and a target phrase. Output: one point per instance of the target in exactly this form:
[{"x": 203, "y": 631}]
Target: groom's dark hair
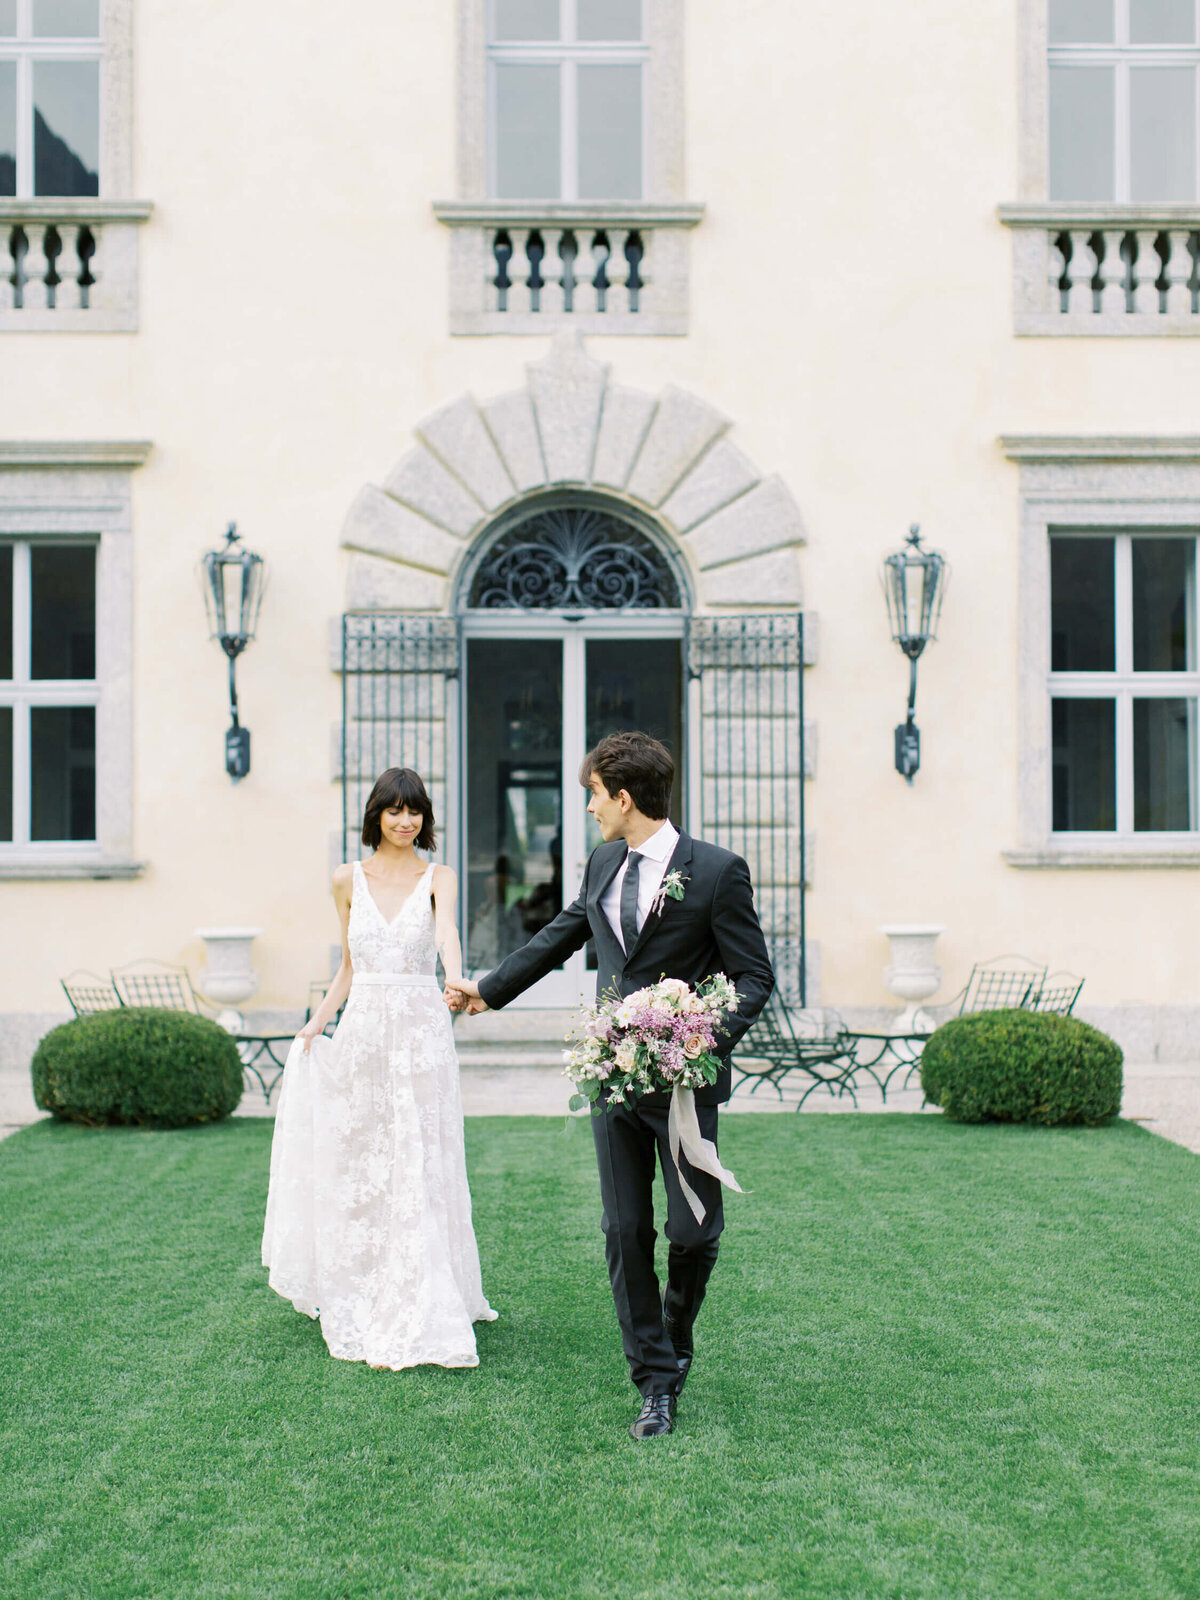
[{"x": 636, "y": 762}]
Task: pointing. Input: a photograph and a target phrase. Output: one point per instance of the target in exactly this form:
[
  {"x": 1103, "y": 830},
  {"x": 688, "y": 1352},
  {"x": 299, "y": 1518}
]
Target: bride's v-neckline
[{"x": 390, "y": 922}]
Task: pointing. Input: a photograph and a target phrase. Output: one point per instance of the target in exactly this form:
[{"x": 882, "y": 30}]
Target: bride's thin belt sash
[{"x": 395, "y": 980}]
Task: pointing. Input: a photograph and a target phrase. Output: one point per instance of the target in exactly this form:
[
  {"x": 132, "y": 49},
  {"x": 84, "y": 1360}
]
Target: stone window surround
[
  {"x": 473, "y": 217},
  {"x": 1084, "y": 482},
  {"x": 83, "y": 488},
  {"x": 1035, "y": 219},
  {"x": 114, "y": 308}
]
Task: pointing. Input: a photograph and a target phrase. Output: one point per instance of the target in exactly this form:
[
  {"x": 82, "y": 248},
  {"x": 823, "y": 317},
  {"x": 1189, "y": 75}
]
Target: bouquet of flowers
[{"x": 660, "y": 1037}]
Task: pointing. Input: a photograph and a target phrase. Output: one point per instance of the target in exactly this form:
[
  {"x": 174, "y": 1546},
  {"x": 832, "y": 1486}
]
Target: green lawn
[{"x": 936, "y": 1361}]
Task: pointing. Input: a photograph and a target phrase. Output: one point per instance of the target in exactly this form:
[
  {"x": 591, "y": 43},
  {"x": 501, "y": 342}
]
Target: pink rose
[{"x": 694, "y": 1045}]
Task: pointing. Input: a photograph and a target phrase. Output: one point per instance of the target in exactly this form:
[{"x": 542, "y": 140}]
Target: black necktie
[{"x": 629, "y": 894}]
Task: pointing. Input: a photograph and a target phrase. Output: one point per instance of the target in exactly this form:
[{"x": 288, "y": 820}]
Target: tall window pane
[
  {"x": 528, "y": 159},
  {"x": 1163, "y": 604},
  {"x": 66, "y": 19},
  {"x": 1082, "y": 633},
  {"x": 1162, "y": 133},
  {"x": 66, "y": 127},
  {"x": 63, "y": 582},
  {"x": 6, "y": 774},
  {"x": 8, "y": 127},
  {"x": 1164, "y": 761},
  {"x": 1082, "y": 121},
  {"x": 8, "y": 18},
  {"x": 608, "y": 19},
  {"x": 1084, "y": 756},
  {"x": 610, "y": 133},
  {"x": 1081, "y": 22},
  {"x": 6, "y": 611},
  {"x": 63, "y": 776},
  {"x": 525, "y": 19},
  {"x": 1162, "y": 21}
]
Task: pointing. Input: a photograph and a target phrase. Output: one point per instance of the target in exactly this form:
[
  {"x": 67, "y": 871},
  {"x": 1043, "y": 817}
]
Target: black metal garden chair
[
  {"x": 89, "y": 994},
  {"x": 156, "y": 983},
  {"x": 1005, "y": 983},
  {"x": 1059, "y": 993},
  {"x": 780, "y": 1041}
]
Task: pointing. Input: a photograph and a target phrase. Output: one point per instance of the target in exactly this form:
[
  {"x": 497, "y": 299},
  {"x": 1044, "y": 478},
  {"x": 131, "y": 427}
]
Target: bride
[{"x": 368, "y": 1222}]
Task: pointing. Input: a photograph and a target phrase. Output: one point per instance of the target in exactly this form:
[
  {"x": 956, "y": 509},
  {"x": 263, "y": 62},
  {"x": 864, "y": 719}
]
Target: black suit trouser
[{"x": 628, "y": 1140}]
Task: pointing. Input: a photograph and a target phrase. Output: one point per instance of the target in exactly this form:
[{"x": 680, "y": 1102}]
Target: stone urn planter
[
  {"x": 913, "y": 975},
  {"x": 228, "y": 979}
]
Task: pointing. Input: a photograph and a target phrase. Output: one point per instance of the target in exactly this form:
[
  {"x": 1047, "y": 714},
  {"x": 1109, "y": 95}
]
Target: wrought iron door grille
[
  {"x": 398, "y": 708},
  {"x": 574, "y": 556},
  {"x": 750, "y": 764}
]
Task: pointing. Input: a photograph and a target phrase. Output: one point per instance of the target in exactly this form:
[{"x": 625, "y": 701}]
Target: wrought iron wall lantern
[
  {"x": 914, "y": 581},
  {"x": 233, "y": 589}
]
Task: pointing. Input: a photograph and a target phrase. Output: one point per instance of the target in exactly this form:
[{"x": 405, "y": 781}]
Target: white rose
[{"x": 694, "y": 1045}]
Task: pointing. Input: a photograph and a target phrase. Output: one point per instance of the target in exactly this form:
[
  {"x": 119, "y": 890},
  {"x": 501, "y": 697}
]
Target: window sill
[
  {"x": 1105, "y": 858},
  {"x": 31, "y": 870},
  {"x": 624, "y": 269},
  {"x": 100, "y": 233},
  {"x": 1095, "y": 269}
]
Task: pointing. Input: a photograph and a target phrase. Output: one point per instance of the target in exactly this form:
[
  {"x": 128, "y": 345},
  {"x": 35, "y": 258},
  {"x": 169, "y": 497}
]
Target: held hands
[
  {"x": 462, "y": 994},
  {"x": 311, "y": 1029}
]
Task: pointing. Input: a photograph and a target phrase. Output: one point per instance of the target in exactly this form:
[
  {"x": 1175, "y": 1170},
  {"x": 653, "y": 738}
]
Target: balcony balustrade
[
  {"x": 1102, "y": 270},
  {"x": 69, "y": 265},
  {"x": 524, "y": 267}
]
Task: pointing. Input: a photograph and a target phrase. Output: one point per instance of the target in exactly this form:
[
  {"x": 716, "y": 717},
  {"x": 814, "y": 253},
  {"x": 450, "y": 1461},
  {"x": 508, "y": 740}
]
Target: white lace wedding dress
[{"x": 368, "y": 1220}]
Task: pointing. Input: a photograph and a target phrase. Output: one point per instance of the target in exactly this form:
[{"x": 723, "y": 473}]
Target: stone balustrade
[
  {"x": 69, "y": 265},
  {"x": 1102, "y": 270},
  {"x": 525, "y": 267}
]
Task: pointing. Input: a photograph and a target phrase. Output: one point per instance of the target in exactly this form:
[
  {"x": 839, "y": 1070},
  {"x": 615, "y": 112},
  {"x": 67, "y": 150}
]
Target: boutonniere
[{"x": 671, "y": 888}]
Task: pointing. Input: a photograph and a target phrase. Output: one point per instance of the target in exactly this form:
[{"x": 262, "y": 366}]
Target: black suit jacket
[{"x": 714, "y": 928}]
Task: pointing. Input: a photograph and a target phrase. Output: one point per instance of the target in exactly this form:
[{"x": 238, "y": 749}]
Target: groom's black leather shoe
[
  {"x": 681, "y": 1342},
  {"x": 656, "y": 1416}
]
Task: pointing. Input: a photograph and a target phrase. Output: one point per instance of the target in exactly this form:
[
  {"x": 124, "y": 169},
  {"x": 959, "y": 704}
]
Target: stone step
[{"x": 544, "y": 1054}]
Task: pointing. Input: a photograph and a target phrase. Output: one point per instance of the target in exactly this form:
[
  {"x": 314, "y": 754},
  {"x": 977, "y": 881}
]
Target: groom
[{"x": 642, "y": 936}]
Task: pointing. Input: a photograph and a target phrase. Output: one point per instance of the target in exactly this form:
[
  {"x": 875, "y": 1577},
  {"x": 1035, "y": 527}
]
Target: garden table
[
  {"x": 264, "y": 1056},
  {"x": 833, "y": 1063}
]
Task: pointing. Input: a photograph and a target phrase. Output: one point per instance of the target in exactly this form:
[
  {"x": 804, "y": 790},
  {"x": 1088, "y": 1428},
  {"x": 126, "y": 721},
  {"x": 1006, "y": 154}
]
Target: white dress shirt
[{"x": 656, "y": 852}]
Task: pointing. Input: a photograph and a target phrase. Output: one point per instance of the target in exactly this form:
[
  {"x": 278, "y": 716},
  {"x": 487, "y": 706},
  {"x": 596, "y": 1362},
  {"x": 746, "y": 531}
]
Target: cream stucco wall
[{"x": 851, "y": 313}]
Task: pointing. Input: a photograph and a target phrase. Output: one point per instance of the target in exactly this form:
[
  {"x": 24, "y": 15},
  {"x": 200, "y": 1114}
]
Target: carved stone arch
[{"x": 666, "y": 458}]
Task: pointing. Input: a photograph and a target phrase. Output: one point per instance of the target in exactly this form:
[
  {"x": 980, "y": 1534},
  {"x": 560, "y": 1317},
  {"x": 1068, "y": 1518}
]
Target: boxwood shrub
[
  {"x": 1022, "y": 1066},
  {"x": 153, "y": 1067}
]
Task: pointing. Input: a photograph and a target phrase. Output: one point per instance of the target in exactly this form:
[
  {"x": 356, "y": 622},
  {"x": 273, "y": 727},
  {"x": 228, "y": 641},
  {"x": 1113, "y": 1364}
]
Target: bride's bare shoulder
[{"x": 343, "y": 877}]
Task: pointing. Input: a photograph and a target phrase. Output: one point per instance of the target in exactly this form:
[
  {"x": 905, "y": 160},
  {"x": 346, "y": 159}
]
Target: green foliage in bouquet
[
  {"x": 151, "y": 1067},
  {"x": 1022, "y": 1066}
]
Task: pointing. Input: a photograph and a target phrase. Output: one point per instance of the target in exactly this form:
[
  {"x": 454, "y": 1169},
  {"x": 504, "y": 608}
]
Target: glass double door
[{"x": 534, "y": 705}]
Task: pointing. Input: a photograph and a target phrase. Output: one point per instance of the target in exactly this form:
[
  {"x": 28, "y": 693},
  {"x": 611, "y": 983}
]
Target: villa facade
[{"x": 576, "y": 364}]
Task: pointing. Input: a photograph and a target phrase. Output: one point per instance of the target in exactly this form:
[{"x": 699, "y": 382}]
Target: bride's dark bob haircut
[{"x": 402, "y": 788}]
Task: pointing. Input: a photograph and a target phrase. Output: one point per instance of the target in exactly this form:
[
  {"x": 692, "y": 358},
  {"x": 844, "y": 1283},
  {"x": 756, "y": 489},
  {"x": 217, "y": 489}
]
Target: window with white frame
[
  {"x": 1124, "y": 682},
  {"x": 566, "y": 99},
  {"x": 49, "y": 693},
  {"x": 49, "y": 97},
  {"x": 1123, "y": 100}
]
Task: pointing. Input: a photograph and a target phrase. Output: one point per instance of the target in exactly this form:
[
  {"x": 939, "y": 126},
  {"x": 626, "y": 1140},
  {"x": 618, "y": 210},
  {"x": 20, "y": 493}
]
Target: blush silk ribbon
[{"x": 683, "y": 1133}]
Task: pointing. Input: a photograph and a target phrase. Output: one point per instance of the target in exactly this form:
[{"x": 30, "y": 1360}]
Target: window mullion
[
  {"x": 570, "y": 132},
  {"x": 22, "y": 664},
  {"x": 1123, "y": 603},
  {"x": 1123, "y": 166},
  {"x": 1124, "y": 710},
  {"x": 24, "y": 125},
  {"x": 568, "y": 28}
]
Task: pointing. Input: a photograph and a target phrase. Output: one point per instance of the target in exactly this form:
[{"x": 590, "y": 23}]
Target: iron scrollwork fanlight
[
  {"x": 233, "y": 589},
  {"x": 574, "y": 557},
  {"x": 914, "y": 581}
]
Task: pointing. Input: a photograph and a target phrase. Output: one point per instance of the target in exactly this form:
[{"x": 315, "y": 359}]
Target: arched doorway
[
  {"x": 573, "y": 615},
  {"x": 627, "y": 536}
]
